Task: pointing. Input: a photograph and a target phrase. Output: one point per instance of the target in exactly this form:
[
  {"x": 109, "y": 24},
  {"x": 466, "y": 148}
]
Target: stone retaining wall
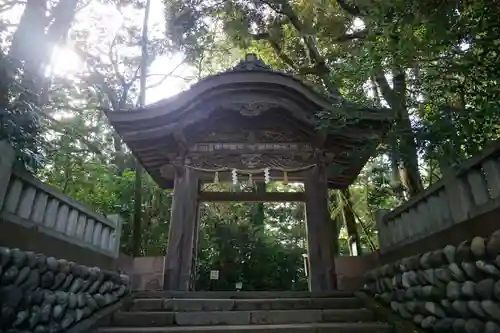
[
  {"x": 44, "y": 294},
  {"x": 454, "y": 289}
]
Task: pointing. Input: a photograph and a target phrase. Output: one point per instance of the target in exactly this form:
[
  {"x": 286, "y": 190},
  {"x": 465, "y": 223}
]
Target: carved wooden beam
[{"x": 251, "y": 197}]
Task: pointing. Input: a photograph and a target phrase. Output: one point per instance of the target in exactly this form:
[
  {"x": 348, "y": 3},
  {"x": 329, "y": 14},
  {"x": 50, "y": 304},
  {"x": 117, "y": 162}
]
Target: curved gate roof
[{"x": 251, "y": 117}]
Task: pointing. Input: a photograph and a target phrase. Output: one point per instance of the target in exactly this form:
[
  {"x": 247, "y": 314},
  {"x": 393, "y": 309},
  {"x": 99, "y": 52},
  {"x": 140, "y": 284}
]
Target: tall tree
[{"x": 138, "y": 167}]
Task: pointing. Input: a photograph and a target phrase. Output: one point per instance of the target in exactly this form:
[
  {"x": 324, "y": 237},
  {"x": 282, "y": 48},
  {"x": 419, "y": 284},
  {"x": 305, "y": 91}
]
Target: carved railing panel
[
  {"x": 472, "y": 190},
  {"x": 33, "y": 204}
]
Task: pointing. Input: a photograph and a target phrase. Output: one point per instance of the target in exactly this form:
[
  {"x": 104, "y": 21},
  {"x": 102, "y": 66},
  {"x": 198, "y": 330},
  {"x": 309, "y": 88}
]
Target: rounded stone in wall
[
  {"x": 428, "y": 322},
  {"x": 414, "y": 262},
  {"x": 488, "y": 268},
  {"x": 4, "y": 256},
  {"x": 53, "y": 264},
  {"x": 474, "y": 326},
  {"x": 456, "y": 272},
  {"x": 496, "y": 290},
  {"x": 437, "y": 258},
  {"x": 429, "y": 276},
  {"x": 64, "y": 266},
  {"x": 443, "y": 325},
  {"x": 67, "y": 282},
  {"x": 444, "y": 274},
  {"x": 9, "y": 275},
  {"x": 493, "y": 245},
  {"x": 41, "y": 263},
  {"x": 47, "y": 279},
  {"x": 484, "y": 289},
  {"x": 492, "y": 309},
  {"x": 58, "y": 280},
  {"x": 46, "y": 311},
  {"x": 459, "y": 325},
  {"x": 478, "y": 247},
  {"x": 449, "y": 252},
  {"x": 471, "y": 271},
  {"x": 32, "y": 281},
  {"x": 491, "y": 327},
  {"x": 425, "y": 260},
  {"x": 68, "y": 319},
  {"x": 30, "y": 259},
  {"x": 35, "y": 315},
  {"x": 476, "y": 309},
  {"x": 468, "y": 289},
  {"x": 18, "y": 257},
  {"x": 461, "y": 309},
  {"x": 434, "y": 310},
  {"x": 453, "y": 290},
  {"x": 418, "y": 318},
  {"x": 464, "y": 252}
]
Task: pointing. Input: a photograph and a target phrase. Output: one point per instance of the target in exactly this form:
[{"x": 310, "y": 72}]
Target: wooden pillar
[
  {"x": 196, "y": 239},
  {"x": 179, "y": 258},
  {"x": 320, "y": 232}
]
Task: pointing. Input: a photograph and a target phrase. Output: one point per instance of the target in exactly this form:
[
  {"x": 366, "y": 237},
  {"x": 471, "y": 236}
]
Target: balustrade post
[
  {"x": 7, "y": 158},
  {"x": 382, "y": 228},
  {"x": 118, "y": 221}
]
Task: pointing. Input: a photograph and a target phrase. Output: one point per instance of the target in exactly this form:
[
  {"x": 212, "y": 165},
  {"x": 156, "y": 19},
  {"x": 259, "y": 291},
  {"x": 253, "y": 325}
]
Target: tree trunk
[
  {"x": 393, "y": 149},
  {"x": 62, "y": 18},
  {"x": 258, "y": 209},
  {"x": 136, "y": 246},
  {"x": 137, "y": 229},
  {"x": 408, "y": 148},
  {"x": 350, "y": 223},
  {"x": 396, "y": 98},
  {"x": 30, "y": 35},
  {"x": 336, "y": 221}
]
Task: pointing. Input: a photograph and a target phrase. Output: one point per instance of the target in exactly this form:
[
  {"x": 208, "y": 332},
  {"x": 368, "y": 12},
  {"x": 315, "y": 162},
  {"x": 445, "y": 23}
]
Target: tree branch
[
  {"x": 385, "y": 89},
  {"x": 166, "y": 76},
  {"x": 277, "y": 49},
  {"x": 350, "y": 8},
  {"x": 319, "y": 63},
  {"x": 114, "y": 62}
]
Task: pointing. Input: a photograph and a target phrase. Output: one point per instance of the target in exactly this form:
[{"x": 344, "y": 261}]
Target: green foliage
[
  {"x": 447, "y": 52},
  {"x": 267, "y": 258},
  {"x": 19, "y": 120}
]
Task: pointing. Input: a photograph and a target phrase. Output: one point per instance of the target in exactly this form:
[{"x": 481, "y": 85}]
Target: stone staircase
[{"x": 260, "y": 312}]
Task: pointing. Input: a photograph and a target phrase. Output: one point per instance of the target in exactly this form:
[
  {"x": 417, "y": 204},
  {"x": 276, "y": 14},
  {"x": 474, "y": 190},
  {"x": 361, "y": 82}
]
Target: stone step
[
  {"x": 192, "y": 304},
  {"x": 269, "y": 317},
  {"x": 294, "y": 328},
  {"x": 241, "y": 294}
]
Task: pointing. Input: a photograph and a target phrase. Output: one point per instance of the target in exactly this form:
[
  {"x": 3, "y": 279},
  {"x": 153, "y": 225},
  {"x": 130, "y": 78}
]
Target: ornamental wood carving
[
  {"x": 251, "y": 109},
  {"x": 251, "y": 136},
  {"x": 249, "y": 161},
  {"x": 228, "y": 147}
]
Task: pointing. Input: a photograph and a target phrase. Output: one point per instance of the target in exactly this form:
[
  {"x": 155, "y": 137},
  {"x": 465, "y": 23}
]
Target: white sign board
[{"x": 214, "y": 275}]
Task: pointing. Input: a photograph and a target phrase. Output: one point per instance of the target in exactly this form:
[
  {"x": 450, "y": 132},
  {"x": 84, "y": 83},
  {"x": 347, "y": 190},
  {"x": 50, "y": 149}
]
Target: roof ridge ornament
[{"x": 251, "y": 63}]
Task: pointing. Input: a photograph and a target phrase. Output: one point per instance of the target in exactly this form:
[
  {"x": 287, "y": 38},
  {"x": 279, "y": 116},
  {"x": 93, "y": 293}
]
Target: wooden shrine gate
[
  {"x": 321, "y": 232},
  {"x": 251, "y": 120}
]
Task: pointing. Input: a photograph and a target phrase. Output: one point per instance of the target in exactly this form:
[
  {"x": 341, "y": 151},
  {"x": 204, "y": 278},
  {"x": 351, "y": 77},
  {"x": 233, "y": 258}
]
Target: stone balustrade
[
  {"x": 453, "y": 289},
  {"x": 472, "y": 190},
  {"x": 44, "y": 294},
  {"x": 26, "y": 201}
]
